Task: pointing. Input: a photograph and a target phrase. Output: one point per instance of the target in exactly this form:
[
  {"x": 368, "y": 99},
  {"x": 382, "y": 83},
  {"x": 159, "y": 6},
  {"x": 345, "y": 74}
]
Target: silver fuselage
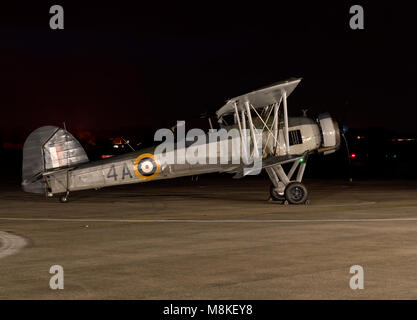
[{"x": 123, "y": 169}]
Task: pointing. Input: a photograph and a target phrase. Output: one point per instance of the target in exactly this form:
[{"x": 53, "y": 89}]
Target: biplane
[{"x": 54, "y": 162}]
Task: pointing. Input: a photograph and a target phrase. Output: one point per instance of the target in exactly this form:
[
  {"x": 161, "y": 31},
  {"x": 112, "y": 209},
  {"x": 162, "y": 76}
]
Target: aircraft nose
[{"x": 329, "y": 130}]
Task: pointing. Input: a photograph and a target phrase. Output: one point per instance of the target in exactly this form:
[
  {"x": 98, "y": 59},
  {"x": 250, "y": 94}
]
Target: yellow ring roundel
[{"x": 146, "y": 166}]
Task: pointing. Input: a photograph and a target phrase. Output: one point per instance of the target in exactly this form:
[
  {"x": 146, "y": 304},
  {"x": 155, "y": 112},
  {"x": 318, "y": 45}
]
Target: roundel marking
[{"x": 146, "y": 166}]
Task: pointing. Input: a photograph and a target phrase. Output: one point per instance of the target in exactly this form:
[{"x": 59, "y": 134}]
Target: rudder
[{"x": 46, "y": 149}]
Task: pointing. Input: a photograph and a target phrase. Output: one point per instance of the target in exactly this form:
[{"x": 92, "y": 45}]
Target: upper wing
[{"x": 260, "y": 98}]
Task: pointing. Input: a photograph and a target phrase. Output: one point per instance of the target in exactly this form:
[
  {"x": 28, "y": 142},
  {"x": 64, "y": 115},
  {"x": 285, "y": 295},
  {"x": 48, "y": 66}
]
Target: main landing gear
[
  {"x": 294, "y": 193},
  {"x": 285, "y": 190}
]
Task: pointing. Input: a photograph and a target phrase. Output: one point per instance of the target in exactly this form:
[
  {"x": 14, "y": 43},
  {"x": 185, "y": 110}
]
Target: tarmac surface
[{"x": 211, "y": 239}]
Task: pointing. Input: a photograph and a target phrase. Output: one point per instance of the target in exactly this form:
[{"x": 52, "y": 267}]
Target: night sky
[{"x": 129, "y": 67}]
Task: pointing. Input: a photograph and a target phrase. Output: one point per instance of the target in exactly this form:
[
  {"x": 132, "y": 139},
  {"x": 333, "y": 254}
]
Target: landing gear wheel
[
  {"x": 63, "y": 199},
  {"x": 275, "y": 195},
  {"x": 296, "y": 193}
]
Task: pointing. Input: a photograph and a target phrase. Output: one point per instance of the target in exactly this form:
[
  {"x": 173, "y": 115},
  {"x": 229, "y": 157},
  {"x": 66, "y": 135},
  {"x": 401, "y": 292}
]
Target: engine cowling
[{"x": 330, "y": 133}]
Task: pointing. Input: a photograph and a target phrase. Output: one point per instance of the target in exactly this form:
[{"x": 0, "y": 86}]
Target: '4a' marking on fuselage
[
  {"x": 112, "y": 173},
  {"x": 126, "y": 171}
]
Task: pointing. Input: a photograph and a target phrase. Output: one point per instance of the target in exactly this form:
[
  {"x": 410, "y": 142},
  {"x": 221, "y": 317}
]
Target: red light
[
  {"x": 105, "y": 156},
  {"x": 353, "y": 155}
]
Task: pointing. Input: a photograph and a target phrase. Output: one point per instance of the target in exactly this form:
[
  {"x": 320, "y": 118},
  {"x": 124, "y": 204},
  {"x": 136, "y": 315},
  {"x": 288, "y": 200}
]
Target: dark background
[{"x": 130, "y": 68}]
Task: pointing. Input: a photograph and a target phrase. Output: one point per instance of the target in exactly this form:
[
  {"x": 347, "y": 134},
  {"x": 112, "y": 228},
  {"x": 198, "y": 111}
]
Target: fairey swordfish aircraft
[{"x": 54, "y": 162}]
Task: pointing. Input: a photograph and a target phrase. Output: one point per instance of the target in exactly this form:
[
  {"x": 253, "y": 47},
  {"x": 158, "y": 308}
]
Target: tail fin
[{"x": 45, "y": 149}]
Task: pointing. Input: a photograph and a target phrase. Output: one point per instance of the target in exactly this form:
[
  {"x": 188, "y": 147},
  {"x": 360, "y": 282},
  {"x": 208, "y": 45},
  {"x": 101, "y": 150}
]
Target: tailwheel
[
  {"x": 296, "y": 193},
  {"x": 64, "y": 198},
  {"x": 275, "y": 195}
]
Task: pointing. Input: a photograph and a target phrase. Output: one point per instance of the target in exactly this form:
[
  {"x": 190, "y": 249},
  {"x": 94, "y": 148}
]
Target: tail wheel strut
[{"x": 64, "y": 198}]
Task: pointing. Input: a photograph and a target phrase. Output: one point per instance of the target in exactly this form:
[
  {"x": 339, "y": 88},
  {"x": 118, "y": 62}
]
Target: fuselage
[{"x": 305, "y": 135}]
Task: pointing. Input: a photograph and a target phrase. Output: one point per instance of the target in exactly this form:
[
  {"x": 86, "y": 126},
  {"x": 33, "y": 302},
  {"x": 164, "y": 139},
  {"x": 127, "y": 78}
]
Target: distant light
[
  {"x": 116, "y": 146},
  {"x": 353, "y": 155},
  {"x": 394, "y": 156},
  {"x": 403, "y": 139},
  {"x": 301, "y": 160},
  {"x": 105, "y": 156},
  {"x": 358, "y": 137}
]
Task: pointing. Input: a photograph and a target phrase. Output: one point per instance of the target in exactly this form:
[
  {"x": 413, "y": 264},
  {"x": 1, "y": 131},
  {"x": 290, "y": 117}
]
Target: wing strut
[
  {"x": 242, "y": 129},
  {"x": 286, "y": 135},
  {"x": 276, "y": 112},
  {"x": 252, "y": 130}
]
